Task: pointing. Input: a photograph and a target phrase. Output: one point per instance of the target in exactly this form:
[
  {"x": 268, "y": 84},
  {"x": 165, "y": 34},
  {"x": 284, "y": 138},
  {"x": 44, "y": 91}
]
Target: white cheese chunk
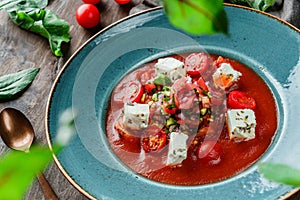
[
  {"x": 136, "y": 116},
  {"x": 170, "y": 67},
  {"x": 177, "y": 151},
  {"x": 241, "y": 124},
  {"x": 225, "y": 76}
]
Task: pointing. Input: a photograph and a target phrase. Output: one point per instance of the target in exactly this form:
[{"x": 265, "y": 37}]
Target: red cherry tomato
[
  {"x": 88, "y": 15},
  {"x": 122, "y": 1},
  {"x": 155, "y": 139},
  {"x": 170, "y": 111},
  {"x": 240, "y": 100},
  {"x": 91, "y": 1},
  {"x": 196, "y": 63},
  {"x": 210, "y": 152}
]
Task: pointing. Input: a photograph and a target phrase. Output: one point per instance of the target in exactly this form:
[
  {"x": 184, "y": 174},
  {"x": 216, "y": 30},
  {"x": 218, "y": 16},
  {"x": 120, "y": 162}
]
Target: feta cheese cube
[
  {"x": 225, "y": 76},
  {"x": 241, "y": 124},
  {"x": 136, "y": 116},
  {"x": 177, "y": 151},
  {"x": 171, "y": 68}
]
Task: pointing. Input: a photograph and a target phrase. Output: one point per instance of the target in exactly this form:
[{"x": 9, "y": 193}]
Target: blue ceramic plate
[{"x": 267, "y": 45}]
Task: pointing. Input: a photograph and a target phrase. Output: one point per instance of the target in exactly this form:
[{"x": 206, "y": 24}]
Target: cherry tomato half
[
  {"x": 122, "y": 1},
  {"x": 136, "y": 90},
  {"x": 149, "y": 87},
  {"x": 210, "y": 152},
  {"x": 240, "y": 100},
  {"x": 170, "y": 111},
  {"x": 88, "y": 15},
  {"x": 155, "y": 139},
  {"x": 91, "y": 1},
  {"x": 196, "y": 63},
  {"x": 202, "y": 84}
]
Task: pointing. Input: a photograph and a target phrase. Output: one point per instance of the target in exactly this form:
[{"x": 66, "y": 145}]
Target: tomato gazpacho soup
[{"x": 191, "y": 119}]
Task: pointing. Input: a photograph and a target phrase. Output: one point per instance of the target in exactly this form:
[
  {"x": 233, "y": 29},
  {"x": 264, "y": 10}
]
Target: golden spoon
[{"x": 17, "y": 133}]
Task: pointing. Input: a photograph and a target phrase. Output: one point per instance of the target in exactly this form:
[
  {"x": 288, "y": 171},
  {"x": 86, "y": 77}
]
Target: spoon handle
[{"x": 47, "y": 189}]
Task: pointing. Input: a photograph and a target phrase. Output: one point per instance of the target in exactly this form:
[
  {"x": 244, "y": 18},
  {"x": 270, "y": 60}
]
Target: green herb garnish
[
  {"x": 13, "y": 84},
  {"x": 170, "y": 121},
  {"x": 262, "y": 5},
  {"x": 162, "y": 80}
]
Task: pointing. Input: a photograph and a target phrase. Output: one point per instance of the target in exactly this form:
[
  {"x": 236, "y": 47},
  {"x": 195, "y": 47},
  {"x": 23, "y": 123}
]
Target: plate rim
[{"x": 54, "y": 85}]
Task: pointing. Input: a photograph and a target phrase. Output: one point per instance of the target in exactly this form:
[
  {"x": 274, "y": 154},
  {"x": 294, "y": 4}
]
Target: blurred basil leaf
[
  {"x": 197, "y": 16},
  {"x": 280, "y": 173},
  {"x": 18, "y": 169}
]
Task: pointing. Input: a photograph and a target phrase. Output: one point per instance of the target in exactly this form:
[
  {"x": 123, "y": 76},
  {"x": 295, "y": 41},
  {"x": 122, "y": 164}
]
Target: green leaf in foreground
[
  {"x": 280, "y": 173},
  {"x": 197, "y": 16},
  {"x": 13, "y": 84},
  {"x": 18, "y": 169},
  {"x": 45, "y": 23}
]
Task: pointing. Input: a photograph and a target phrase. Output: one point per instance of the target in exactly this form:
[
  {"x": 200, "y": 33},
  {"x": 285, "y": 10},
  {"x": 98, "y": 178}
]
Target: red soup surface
[{"x": 211, "y": 157}]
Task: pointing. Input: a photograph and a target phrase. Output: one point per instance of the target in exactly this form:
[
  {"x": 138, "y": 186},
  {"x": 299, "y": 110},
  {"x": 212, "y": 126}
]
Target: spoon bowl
[
  {"x": 16, "y": 130},
  {"x": 17, "y": 133}
]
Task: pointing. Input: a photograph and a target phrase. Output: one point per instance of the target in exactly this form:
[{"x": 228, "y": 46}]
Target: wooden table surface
[{"x": 20, "y": 49}]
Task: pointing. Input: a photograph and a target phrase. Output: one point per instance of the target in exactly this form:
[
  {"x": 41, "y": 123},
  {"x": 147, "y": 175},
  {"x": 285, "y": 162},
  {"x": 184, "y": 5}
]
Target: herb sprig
[{"x": 31, "y": 15}]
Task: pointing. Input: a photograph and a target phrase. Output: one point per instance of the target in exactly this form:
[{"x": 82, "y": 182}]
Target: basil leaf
[
  {"x": 280, "y": 173},
  {"x": 162, "y": 80},
  {"x": 262, "y": 5},
  {"x": 22, "y": 5},
  {"x": 197, "y": 16},
  {"x": 45, "y": 23},
  {"x": 15, "y": 179},
  {"x": 13, "y": 84}
]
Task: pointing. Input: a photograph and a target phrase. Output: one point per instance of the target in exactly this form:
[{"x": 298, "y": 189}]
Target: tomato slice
[
  {"x": 155, "y": 139},
  {"x": 129, "y": 92},
  {"x": 210, "y": 152},
  {"x": 136, "y": 90},
  {"x": 184, "y": 93},
  {"x": 170, "y": 111},
  {"x": 196, "y": 63},
  {"x": 240, "y": 100}
]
